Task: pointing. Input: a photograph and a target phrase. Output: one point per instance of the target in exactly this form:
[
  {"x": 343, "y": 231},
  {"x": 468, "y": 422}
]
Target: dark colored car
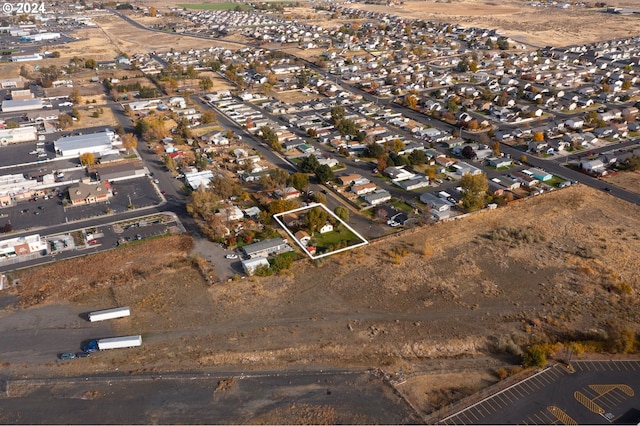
[
  {"x": 92, "y": 346},
  {"x": 82, "y": 354}
]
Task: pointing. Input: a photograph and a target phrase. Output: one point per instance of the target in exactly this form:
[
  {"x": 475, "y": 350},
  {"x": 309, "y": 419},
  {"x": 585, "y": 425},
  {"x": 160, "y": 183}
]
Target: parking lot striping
[
  {"x": 513, "y": 386},
  {"x": 493, "y": 406},
  {"x": 563, "y": 417},
  {"x": 604, "y": 389},
  {"x": 588, "y": 403}
]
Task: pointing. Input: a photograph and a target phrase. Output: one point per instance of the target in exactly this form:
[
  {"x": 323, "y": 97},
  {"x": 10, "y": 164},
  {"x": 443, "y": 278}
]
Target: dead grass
[{"x": 366, "y": 309}]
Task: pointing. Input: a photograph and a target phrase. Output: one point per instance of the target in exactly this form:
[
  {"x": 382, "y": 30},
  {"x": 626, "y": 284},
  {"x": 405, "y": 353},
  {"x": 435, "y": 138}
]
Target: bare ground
[
  {"x": 431, "y": 300},
  {"x": 516, "y": 19},
  {"x": 627, "y": 180}
]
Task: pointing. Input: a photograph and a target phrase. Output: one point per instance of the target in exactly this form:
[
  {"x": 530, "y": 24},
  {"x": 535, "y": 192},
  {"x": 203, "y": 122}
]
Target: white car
[
  {"x": 156, "y": 181},
  {"x": 231, "y": 256}
]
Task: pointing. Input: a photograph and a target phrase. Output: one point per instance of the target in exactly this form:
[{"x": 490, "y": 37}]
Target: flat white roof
[{"x": 83, "y": 141}]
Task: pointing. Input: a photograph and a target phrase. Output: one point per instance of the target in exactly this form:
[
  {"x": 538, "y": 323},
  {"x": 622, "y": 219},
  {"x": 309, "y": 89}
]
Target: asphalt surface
[
  {"x": 333, "y": 397},
  {"x": 598, "y": 392}
]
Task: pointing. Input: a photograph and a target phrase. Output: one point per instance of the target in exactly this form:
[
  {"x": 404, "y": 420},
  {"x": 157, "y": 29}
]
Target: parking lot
[{"x": 598, "y": 392}]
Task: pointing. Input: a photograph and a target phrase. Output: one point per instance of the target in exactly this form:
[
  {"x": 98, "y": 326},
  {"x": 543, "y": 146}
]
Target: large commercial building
[
  {"x": 95, "y": 143},
  {"x": 41, "y": 37},
  {"x": 21, "y": 105},
  {"x": 22, "y": 245},
  {"x": 19, "y": 134}
]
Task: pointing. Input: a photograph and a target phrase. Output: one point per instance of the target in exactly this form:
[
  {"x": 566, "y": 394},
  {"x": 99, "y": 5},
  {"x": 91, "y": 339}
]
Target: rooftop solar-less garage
[{"x": 75, "y": 145}]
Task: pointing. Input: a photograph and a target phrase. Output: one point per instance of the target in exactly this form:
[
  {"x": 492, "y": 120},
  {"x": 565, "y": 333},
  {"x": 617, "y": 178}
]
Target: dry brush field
[{"x": 558, "y": 265}]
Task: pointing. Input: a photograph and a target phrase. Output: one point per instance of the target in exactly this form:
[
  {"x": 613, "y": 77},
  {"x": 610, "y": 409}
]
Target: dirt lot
[
  {"x": 521, "y": 22},
  {"x": 628, "y": 180},
  {"x": 443, "y": 300}
]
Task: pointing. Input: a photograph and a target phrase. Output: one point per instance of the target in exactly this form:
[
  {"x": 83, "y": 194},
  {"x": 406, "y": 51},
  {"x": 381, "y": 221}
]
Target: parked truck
[
  {"x": 113, "y": 343},
  {"x": 109, "y": 314}
]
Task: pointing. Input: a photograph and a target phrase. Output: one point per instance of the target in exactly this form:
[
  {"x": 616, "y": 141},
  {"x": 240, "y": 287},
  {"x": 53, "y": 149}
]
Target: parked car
[
  {"x": 82, "y": 354},
  {"x": 67, "y": 355},
  {"x": 231, "y": 256}
]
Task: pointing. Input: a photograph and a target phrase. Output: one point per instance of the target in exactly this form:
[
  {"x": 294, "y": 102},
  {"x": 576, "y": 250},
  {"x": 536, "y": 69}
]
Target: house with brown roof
[{"x": 89, "y": 193}]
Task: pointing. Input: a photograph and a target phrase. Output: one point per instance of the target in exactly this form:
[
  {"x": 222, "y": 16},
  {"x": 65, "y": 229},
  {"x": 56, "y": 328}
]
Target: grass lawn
[
  {"x": 214, "y": 6},
  {"x": 554, "y": 181},
  {"x": 402, "y": 206},
  {"x": 340, "y": 236}
]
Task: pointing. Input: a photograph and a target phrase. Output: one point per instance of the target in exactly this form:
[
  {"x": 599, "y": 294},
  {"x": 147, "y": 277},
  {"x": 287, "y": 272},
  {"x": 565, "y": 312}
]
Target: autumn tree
[
  {"x": 496, "y": 148},
  {"x": 129, "y": 141},
  {"x": 208, "y": 117},
  {"x": 153, "y": 11},
  {"x": 65, "y": 121},
  {"x": 299, "y": 181},
  {"x": 87, "y": 159},
  {"x": 75, "y": 95},
  {"x": 538, "y": 136},
  {"x": 411, "y": 102},
  {"x": 279, "y": 206},
  {"x": 474, "y": 188}
]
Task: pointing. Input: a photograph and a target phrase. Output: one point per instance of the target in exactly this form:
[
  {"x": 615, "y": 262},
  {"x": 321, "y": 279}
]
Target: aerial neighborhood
[
  {"x": 415, "y": 119},
  {"x": 389, "y": 115}
]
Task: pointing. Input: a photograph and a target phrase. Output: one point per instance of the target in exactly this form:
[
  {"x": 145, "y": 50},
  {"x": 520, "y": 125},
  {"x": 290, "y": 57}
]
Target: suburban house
[
  {"x": 377, "y": 197},
  {"x": 365, "y": 188},
  {"x": 89, "y": 193},
  {"x": 303, "y": 237},
  {"x": 266, "y": 247},
  {"x": 436, "y": 203},
  {"x": 463, "y": 168},
  {"x": 593, "y": 166},
  {"x": 327, "y": 227},
  {"x": 499, "y": 162}
]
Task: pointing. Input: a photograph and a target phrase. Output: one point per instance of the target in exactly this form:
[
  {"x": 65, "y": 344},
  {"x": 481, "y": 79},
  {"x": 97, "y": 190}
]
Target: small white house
[{"x": 326, "y": 228}]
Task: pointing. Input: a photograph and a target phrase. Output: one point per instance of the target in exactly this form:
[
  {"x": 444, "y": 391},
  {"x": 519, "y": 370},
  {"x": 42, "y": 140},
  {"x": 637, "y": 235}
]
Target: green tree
[
  {"x": 417, "y": 157},
  {"x": 315, "y": 219},
  {"x": 342, "y": 212},
  {"x": 337, "y": 114},
  {"x": 474, "y": 188},
  {"x": 11, "y": 125},
  {"x": 324, "y": 173},
  {"x": 309, "y": 164},
  {"x": 170, "y": 163},
  {"x": 300, "y": 181},
  {"x": 90, "y": 63}
]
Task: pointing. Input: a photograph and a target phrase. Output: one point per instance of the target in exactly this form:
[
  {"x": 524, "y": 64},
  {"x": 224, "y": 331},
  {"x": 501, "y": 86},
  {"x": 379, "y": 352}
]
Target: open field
[
  {"x": 627, "y": 180},
  {"x": 214, "y": 6},
  {"x": 516, "y": 19},
  {"x": 441, "y": 298}
]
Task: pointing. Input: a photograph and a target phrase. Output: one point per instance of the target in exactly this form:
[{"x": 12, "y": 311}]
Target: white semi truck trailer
[
  {"x": 113, "y": 343},
  {"x": 107, "y": 314}
]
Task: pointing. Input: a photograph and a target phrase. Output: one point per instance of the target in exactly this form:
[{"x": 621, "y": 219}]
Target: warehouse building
[
  {"x": 16, "y": 105},
  {"x": 41, "y": 37},
  {"x": 19, "y": 134},
  {"x": 102, "y": 143}
]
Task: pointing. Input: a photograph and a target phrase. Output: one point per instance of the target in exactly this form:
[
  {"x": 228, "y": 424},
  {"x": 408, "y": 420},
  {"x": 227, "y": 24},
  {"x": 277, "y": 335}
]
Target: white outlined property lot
[{"x": 278, "y": 216}]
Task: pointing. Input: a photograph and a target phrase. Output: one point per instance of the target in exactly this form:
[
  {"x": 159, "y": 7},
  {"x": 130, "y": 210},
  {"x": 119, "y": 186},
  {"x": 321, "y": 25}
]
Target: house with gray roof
[{"x": 267, "y": 247}]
